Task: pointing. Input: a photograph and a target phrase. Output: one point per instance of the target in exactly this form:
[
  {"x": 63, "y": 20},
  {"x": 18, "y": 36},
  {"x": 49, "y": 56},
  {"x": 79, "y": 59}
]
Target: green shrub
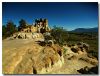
[{"x": 59, "y": 34}]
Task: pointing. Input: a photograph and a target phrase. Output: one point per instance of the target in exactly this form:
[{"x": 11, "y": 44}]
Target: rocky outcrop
[
  {"x": 21, "y": 35},
  {"x": 36, "y": 60},
  {"x": 92, "y": 61},
  {"x": 32, "y": 58},
  {"x": 87, "y": 70},
  {"x": 78, "y": 51},
  {"x": 80, "y": 48},
  {"x": 49, "y": 59}
]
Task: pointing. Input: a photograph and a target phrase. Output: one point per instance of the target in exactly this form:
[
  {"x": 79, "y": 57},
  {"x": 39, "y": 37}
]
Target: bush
[{"x": 59, "y": 34}]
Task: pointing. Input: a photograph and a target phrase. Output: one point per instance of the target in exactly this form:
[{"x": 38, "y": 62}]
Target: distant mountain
[{"x": 86, "y": 30}]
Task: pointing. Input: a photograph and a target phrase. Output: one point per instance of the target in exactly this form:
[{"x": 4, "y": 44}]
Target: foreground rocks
[{"x": 29, "y": 57}]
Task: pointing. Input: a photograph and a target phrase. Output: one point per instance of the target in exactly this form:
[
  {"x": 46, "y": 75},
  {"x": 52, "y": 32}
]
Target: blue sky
[{"x": 65, "y": 14}]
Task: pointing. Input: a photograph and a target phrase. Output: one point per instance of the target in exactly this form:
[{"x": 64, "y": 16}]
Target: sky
[{"x": 63, "y": 14}]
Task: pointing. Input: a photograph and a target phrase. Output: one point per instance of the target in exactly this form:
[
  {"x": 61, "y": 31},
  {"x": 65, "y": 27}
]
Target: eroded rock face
[
  {"x": 41, "y": 61},
  {"x": 83, "y": 45},
  {"x": 23, "y": 35},
  {"x": 76, "y": 51},
  {"x": 92, "y": 61},
  {"x": 50, "y": 58},
  {"x": 79, "y": 48}
]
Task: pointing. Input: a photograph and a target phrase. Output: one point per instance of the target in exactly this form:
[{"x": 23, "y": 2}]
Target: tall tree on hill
[
  {"x": 10, "y": 28},
  {"x": 22, "y": 24},
  {"x": 4, "y": 31}
]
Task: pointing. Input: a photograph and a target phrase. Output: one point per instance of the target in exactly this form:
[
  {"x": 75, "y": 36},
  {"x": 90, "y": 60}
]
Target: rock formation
[
  {"x": 32, "y": 58},
  {"x": 40, "y": 26}
]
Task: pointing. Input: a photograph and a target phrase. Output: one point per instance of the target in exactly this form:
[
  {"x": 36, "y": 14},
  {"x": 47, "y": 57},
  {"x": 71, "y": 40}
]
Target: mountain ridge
[{"x": 95, "y": 29}]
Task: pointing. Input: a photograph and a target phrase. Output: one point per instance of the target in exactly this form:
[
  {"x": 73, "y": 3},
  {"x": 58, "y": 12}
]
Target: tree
[
  {"x": 4, "y": 31},
  {"x": 59, "y": 34},
  {"x": 11, "y": 28},
  {"x": 22, "y": 24}
]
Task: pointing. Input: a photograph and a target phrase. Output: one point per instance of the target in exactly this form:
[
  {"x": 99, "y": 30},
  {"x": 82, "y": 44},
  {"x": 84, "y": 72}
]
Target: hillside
[{"x": 27, "y": 56}]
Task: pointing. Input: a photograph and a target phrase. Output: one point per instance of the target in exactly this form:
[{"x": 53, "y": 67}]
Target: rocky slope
[{"x": 26, "y": 56}]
